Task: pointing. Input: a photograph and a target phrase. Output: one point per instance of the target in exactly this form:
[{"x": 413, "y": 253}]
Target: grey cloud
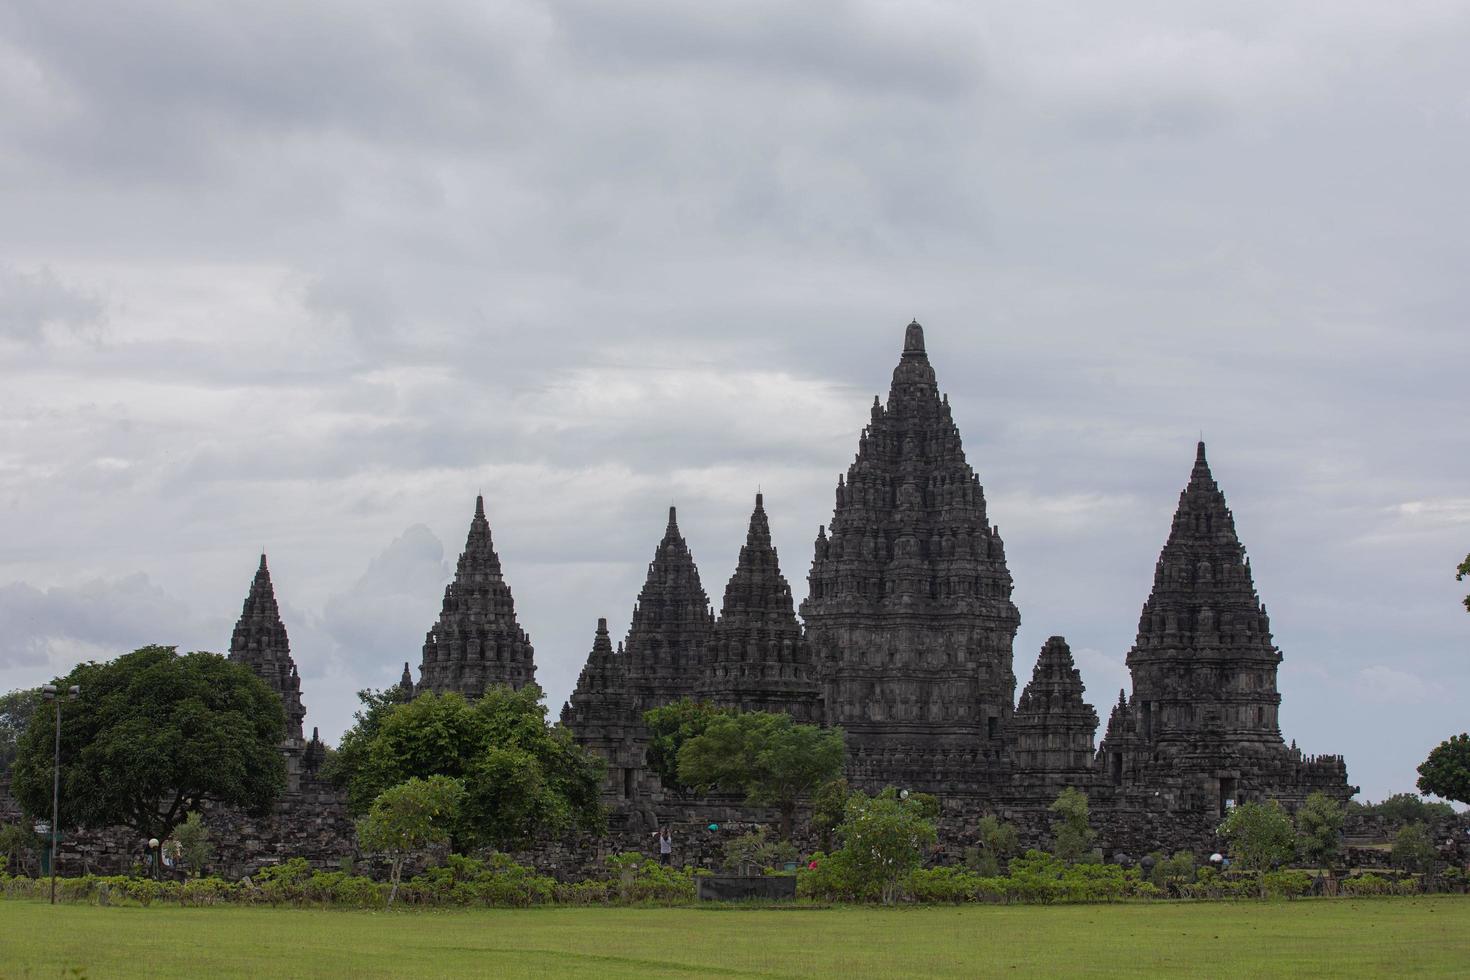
[
  {"x": 359, "y": 265},
  {"x": 381, "y": 620},
  {"x": 113, "y": 615},
  {"x": 32, "y": 301}
]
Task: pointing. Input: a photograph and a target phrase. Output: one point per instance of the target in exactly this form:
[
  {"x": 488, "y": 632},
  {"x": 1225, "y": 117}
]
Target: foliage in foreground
[
  {"x": 768, "y": 756},
  {"x": 632, "y": 879},
  {"x": 523, "y": 780},
  {"x": 153, "y": 736}
]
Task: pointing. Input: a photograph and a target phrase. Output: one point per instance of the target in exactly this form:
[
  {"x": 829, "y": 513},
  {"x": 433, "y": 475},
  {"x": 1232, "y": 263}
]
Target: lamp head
[{"x": 48, "y": 691}]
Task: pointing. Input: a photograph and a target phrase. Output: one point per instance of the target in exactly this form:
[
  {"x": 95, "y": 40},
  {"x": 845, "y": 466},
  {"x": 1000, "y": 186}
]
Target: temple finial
[
  {"x": 673, "y": 516},
  {"x": 913, "y": 338},
  {"x": 480, "y": 505}
]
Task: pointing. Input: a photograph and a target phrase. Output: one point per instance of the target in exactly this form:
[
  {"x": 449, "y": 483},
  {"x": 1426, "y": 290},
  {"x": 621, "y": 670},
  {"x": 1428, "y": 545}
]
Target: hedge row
[
  {"x": 1036, "y": 878},
  {"x": 461, "y": 881},
  {"x": 1040, "y": 878}
]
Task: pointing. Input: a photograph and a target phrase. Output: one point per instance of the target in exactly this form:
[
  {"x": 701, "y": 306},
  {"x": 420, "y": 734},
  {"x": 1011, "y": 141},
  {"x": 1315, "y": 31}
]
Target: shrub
[
  {"x": 749, "y": 851},
  {"x": 883, "y": 840},
  {"x": 1367, "y": 884},
  {"x": 943, "y": 885},
  {"x": 639, "y": 879},
  {"x": 1288, "y": 884}
]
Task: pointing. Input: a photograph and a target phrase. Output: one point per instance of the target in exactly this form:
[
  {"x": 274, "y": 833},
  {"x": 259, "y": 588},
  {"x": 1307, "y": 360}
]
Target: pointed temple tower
[
  {"x": 260, "y": 642},
  {"x": 1053, "y": 728},
  {"x": 672, "y": 623},
  {"x": 910, "y": 612},
  {"x": 758, "y": 659},
  {"x": 1204, "y": 706},
  {"x": 603, "y": 717},
  {"x": 477, "y": 643},
  {"x": 662, "y": 660}
]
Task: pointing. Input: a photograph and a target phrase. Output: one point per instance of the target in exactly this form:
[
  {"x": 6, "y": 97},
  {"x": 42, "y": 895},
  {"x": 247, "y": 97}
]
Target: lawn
[{"x": 1344, "y": 937}]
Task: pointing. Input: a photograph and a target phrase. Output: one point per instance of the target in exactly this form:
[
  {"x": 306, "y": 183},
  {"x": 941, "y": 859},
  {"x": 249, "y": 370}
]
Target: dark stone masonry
[{"x": 905, "y": 641}]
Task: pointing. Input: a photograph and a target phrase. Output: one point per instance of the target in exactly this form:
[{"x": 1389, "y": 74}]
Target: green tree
[
  {"x": 750, "y": 852},
  {"x": 1261, "y": 837},
  {"x": 408, "y": 818},
  {"x": 1460, "y": 574},
  {"x": 996, "y": 842},
  {"x": 1072, "y": 836},
  {"x": 1412, "y": 848},
  {"x": 194, "y": 844},
  {"x": 829, "y": 807},
  {"x": 347, "y": 759},
  {"x": 154, "y": 736},
  {"x": 1402, "y": 808},
  {"x": 16, "y": 709},
  {"x": 883, "y": 839},
  {"x": 773, "y": 759},
  {"x": 17, "y": 844},
  {"x": 1319, "y": 829},
  {"x": 522, "y": 779},
  {"x": 1447, "y": 770},
  {"x": 669, "y": 727}
]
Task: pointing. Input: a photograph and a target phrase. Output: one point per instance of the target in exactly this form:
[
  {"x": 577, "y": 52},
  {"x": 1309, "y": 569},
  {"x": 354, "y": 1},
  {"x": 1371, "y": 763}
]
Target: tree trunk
[
  {"x": 394, "y": 876},
  {"x": 788, "y": 816}
]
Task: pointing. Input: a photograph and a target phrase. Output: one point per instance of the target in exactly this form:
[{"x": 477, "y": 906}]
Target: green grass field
[{"x": 1368, "y": 937}]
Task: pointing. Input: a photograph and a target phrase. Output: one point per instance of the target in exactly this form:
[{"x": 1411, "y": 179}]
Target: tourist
[{"x": 665, "y": 845}]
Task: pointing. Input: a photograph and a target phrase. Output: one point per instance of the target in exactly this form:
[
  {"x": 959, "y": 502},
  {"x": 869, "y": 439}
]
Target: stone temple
[{"x": 905, "y": 641}]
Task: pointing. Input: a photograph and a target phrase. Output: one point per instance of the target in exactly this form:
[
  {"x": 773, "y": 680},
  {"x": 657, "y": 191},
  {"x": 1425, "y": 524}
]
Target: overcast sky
[{"x": 308, "y": 277}]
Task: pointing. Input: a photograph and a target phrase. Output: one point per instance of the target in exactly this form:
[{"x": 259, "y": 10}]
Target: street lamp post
[{"x": 50, "y": 693}]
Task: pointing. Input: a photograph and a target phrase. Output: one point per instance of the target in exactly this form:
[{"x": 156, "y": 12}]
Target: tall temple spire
[
  {"x": 758, "y": 659},
  {"x": 909, "y": 610},
  {"x": 477, "y": 642},
  {"x": 671, "y": 623},
  {"x": 1204, "y": 664},
  {"x": 260, "y": 642}
]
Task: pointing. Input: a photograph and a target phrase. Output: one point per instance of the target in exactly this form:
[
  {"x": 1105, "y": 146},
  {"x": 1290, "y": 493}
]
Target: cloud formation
[{"x": 298, "y": 278}]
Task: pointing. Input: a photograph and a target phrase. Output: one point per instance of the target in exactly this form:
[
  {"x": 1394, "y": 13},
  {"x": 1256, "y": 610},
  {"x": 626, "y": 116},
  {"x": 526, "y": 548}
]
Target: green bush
[
  {"x": 637, "y": 878},
  {"x": 1367, "y": 884},
  {"x": 943, "y": 885},
  {"x": 1288, "y": 884}
]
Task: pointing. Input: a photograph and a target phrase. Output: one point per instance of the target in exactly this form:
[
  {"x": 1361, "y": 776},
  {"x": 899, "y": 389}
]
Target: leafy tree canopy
[
  {"x": 1261, "y": 836},
  {"x": 669, "y": 727},
  {"x": 1447, "y": 770},
  {"x": 522, "y": 780},
  {"x": 153, "y": 736},
  {"x": 996, "y": 842},
  {"x": 1408, "y": 808},
  {"x": 774, "y": 760},
  {"x": 1319, "y": 829},
  {"x": 16, "y": 708},
  {"x": 1460, "y": 574},
  {"x": 409, "y": 817},
  {"x": 1412, "y": 848},
  {"x": 883, "y": 839},
  {"x": 1072, "y": 833},
  {"x": 351, "y": 750}
]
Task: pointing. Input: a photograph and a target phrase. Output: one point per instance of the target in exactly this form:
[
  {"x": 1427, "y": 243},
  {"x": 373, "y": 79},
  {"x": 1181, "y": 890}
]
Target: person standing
[{"x": 665, "y": 845}]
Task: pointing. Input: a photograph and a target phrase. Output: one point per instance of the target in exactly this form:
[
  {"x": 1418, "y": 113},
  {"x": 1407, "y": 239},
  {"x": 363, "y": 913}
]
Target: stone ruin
[{"x": 905, "y": 641}]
